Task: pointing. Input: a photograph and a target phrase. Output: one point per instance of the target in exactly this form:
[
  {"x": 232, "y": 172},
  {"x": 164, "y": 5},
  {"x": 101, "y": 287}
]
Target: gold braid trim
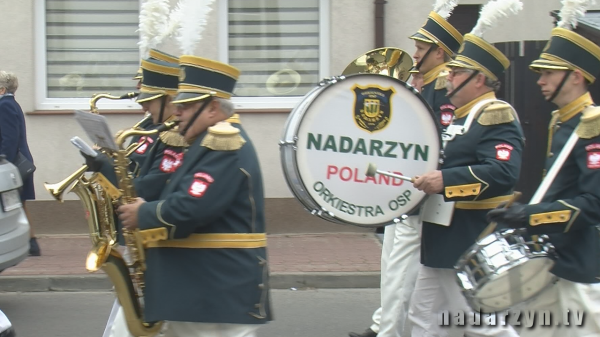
[
  {"x": 496, "y": 114},
  {"x": 173, "y": 138},
  {"x": 589, "y": 127},
  {"x": 440, "y": 82},
  {"x": 223, "y": 137}
]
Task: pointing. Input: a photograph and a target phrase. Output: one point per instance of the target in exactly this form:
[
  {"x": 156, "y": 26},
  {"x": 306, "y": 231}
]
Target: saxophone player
[
  {"x": 210, "y": 277},
  {"x": 159, "y": 85},
  {"x": 150, "y": 121}
]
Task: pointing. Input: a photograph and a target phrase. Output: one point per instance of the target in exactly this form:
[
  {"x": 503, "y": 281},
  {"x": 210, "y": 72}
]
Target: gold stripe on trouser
[
  {"x": 213, "y": 240},
  {"x": 490, "y": 203}
]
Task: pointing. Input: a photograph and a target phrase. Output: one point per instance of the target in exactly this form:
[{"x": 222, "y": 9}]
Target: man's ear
[
  {"x": 213, "y": 107},
  {"x": 578, "y": 77},
  {"x": 440, "y": 53}
]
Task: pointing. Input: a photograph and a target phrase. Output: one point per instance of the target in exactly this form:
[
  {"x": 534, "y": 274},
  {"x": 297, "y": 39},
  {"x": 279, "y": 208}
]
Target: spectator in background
[{"x": 13, "y": 139}]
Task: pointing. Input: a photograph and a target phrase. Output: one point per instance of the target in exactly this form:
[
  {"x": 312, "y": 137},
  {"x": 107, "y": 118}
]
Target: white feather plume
[
  {"x": 153, "y": 21},
  {"x": 174, "y": 22},
  {"x": 572, "y": 11},
  {"x": 193, "y": 23},
  {"x": 494, "y": 11},
  {"x": 444, "y": 7}
]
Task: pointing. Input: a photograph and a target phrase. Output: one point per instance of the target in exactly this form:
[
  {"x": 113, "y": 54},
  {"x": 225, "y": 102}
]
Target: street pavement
[
  {"x": 302, "y": 313},
  {"x": 322, "y": 260}
]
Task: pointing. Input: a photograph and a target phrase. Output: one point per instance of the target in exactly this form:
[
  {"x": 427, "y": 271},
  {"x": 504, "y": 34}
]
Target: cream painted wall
[
  {"x": 16, "y": 46},
  {"x": 352, "y": 34}
]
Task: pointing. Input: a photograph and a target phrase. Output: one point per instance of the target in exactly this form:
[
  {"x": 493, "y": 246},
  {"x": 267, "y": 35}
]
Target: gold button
[
  {"x": 261, "y": 286},
  {"x": 551, "y": 154}
]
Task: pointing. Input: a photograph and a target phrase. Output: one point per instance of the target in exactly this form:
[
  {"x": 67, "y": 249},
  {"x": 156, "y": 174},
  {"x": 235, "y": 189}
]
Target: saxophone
[
  {"x": 96, "y": 97},
  {"x": 99, "y": 198}
]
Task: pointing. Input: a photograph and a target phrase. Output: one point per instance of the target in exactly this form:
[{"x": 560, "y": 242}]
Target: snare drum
[
  {"x": 341, "y": 127},
  {"x": 504, "y": 270}
]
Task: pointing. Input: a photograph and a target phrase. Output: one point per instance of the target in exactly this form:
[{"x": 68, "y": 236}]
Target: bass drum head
[{"x": 337, "y": 130}]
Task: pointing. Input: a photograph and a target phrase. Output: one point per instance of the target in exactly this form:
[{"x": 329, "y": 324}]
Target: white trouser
[
  {"x": 115, "y": 312},
  {"x": 191, "y": 329},
  {"x": 399, "y": 266},
  {"x": 118, "y": 328},
  {"x": 562, "y": 296},
  {"x": 5, "y": 323},
  {"x": 437, "y": 291}
]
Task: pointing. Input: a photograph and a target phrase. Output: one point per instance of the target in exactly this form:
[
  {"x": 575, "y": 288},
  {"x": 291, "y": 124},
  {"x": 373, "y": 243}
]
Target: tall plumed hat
[
  {"x": 476, "y": 53},
  {"x": 567, "y": 50},
  {"x": 157, "y": 21},
  {"x": 199, "y": 77},
  {"x": 438, "y": 31}
]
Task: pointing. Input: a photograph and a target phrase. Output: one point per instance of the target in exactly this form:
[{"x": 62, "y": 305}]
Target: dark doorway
[
  {"x": 464, "y": 18},
  {"x": 519, "y": 88}
]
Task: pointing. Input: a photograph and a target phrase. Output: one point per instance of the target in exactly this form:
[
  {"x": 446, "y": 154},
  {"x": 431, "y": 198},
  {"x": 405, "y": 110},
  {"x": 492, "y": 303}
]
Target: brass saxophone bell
[
  {"x": 97, "y": 256},
  {"x": 387, "y": 61}
]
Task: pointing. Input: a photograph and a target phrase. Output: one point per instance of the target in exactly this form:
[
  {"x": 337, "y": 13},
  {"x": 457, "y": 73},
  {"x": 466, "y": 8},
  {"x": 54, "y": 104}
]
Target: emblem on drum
[{"x": 372, "y": 107}]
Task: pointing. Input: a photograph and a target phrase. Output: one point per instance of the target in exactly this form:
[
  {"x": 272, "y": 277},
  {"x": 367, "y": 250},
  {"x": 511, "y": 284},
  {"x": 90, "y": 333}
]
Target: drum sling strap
[{"x": 556, "y": 166}]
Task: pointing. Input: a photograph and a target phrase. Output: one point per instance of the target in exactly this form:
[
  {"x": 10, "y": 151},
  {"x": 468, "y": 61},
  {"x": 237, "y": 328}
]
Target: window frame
[
  {"x": 44, "y": 103},
  {"x": 274, "y": 102}
]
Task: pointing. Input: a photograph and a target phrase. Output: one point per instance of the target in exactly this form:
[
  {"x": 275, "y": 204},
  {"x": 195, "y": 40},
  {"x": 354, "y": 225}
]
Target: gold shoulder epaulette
[
  {"x": 496, "y": 114},
  {"x": 173, "y": 138},
  {"x": 589, "y": 127},
  {"x": 235, "y": 119},
  {"x": 442, "y": 79},
  {"x": 223, "y": 137}
]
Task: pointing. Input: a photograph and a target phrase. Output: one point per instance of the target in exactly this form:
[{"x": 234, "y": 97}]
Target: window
[
  {"x": 280, "y": 46},
  {"x": 90, "y": 47}
]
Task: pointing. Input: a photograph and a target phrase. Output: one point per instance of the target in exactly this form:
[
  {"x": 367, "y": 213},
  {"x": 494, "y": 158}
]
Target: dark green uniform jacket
[
  {"x": 139, "y": 155},
  {"x": 163, "y": 158},
  {"x": 434, "y": 92},
  {"x": 484, "y": 163},
  {"x": 570, "y": 209},
  {"x": 214, "y": 191}
]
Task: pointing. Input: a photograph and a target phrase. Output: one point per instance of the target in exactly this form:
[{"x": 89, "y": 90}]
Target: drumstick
[
  {"x": 492, "y": 226},
  {"x": 372, "y": 169}
]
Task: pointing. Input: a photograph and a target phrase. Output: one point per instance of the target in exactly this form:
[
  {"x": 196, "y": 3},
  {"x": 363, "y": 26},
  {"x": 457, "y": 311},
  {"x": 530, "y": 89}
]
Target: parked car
[{"x": 14, "y": 226}]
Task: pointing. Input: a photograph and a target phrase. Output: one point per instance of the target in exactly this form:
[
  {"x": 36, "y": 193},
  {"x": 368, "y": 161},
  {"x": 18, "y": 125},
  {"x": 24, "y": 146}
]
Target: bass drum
[{"x": 345, "y": 124}]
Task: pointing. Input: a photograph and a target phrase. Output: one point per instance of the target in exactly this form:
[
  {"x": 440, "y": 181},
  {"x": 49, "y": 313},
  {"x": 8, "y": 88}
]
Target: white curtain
[
  {"x": 91, "y": 47},
  {"x": 275, "y": 43}
]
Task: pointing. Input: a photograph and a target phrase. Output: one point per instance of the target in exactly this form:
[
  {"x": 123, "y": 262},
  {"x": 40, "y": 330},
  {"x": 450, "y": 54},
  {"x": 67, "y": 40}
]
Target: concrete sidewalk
[{"x": 323, "y": 260}]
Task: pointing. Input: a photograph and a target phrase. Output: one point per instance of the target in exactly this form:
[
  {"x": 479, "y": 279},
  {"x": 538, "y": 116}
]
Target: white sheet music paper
[
  {"x": 436, "y": 210},
  {"x": 96, "y": 128}
]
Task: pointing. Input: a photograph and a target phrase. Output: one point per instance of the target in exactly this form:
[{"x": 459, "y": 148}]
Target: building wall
[{"x": 351, "y": 34}]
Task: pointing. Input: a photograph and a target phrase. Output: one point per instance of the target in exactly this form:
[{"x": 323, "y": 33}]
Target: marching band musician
[
  {"x": 569, "y": 210},
  {"x": 435, "y": 43},
  {"x": 210, "y": 277},
  {"x": 138, "y": 157},
  {"x": 160, "y": 81},
  {"x": 481, "y": 167}
]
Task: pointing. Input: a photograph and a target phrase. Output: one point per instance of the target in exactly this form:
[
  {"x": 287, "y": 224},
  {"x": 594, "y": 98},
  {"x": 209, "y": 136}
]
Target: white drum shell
[{"x": 313, "y": 167}]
